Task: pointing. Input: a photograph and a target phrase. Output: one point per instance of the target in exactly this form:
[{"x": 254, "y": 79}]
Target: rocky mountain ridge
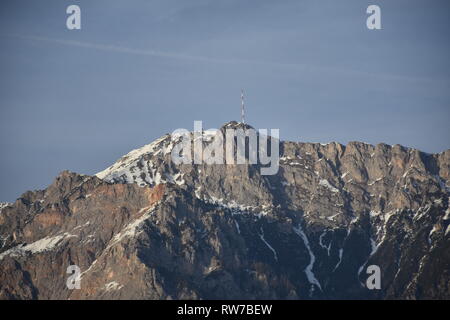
[{"x": 145, "y": 228}]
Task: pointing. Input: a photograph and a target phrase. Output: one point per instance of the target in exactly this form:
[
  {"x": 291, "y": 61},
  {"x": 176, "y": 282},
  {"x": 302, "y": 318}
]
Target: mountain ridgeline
[{"x": 146, "y": 228}]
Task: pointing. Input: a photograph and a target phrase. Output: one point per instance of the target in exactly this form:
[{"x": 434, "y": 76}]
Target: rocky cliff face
[{"x": 148, "y": 229}]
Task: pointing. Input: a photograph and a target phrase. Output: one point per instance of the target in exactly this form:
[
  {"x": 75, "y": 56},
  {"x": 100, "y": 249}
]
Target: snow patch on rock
[
  {"x": 268, "y": 245},
  {"x": 312, "y": 259},
  {"x": 44, "y": 244},
  {"x": 113, "y": 285},
  {"x": 325, "y": 183}
]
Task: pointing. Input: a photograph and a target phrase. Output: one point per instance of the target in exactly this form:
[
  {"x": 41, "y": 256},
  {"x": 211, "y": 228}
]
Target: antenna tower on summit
[{"x": 242, "y": 107}]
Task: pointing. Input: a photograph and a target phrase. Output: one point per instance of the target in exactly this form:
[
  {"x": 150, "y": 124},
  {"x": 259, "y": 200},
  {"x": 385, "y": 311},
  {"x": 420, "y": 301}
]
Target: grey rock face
[{"x": 148, "y": 229}]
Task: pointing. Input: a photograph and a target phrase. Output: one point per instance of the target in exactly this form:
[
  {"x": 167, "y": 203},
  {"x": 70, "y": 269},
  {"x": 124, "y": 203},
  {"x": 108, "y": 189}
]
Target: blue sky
[{"x": 78, "y": 100}]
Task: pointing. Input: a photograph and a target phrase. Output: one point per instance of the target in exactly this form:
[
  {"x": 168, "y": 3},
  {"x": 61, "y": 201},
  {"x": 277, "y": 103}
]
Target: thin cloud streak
[{"x": 205, "y": 59}]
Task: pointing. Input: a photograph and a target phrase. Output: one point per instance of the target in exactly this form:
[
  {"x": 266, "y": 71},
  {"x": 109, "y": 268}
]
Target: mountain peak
[{"x": 236, "y": 125}]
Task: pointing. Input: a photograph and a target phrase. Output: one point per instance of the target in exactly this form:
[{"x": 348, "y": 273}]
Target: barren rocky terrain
[{"x": 148, "y": 229}]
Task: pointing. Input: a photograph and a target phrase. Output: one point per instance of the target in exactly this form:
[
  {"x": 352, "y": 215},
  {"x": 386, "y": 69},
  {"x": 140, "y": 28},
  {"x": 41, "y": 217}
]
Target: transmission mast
[{"x": 242, "y": 107}]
